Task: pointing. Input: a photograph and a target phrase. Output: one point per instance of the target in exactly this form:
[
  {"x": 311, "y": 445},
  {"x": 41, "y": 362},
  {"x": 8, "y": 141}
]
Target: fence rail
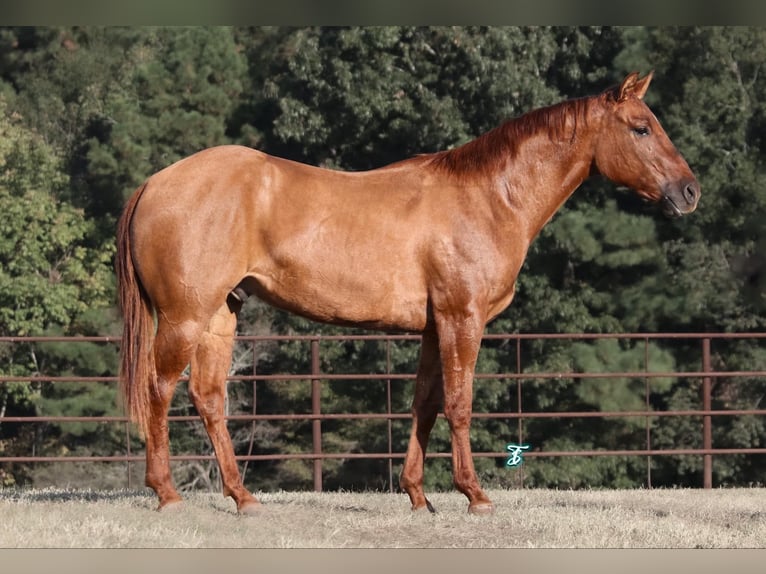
[{"x": 706, "y": 375}]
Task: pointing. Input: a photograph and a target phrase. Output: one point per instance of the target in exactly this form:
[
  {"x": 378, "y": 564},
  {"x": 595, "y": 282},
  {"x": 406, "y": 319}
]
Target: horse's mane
[{"x": 494, "y": 148}]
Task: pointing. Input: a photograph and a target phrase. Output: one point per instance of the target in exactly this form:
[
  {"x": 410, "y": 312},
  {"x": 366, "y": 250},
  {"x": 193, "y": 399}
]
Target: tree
[
  {"x": 49, "y": 278},
  {"x": 173, "y": 99},
  {"x": 356, "y": 98}
]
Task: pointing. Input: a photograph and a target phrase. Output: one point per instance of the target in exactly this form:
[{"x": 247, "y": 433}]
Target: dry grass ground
[{"x": 58, "y": 518}]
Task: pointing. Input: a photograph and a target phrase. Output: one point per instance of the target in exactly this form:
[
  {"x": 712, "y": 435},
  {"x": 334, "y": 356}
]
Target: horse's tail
[{"x": 137, "y": 369}]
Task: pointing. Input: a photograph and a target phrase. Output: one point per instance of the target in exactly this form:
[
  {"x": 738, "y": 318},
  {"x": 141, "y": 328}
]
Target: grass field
[
  {"x": 56, "y": 518},
  {"x": 61, "y": 518}
]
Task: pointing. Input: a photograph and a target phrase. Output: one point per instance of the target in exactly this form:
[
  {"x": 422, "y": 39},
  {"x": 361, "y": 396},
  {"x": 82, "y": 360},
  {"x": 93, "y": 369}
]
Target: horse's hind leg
[
  {"x": 425, "y": 408},
  {"x": 207, "y": 389},
  {"x": 172, "y": 348}
]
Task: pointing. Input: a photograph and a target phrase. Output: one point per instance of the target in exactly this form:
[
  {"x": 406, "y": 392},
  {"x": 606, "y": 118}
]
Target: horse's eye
[{"x": 641, "y": 130}]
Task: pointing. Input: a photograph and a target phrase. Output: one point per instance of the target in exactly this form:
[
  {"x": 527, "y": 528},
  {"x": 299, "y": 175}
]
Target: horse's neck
[{"x": 545, "y": 172}]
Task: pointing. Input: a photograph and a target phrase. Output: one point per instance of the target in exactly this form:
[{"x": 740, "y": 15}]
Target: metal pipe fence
[{"x": 706, "y": 374}]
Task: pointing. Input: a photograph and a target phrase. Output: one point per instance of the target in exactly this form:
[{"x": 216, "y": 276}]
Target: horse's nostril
[{"x": 691, "y": 192}]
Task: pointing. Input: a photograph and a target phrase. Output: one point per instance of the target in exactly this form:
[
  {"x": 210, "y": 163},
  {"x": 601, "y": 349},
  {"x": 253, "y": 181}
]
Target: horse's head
[{"x": 635, "y": 151}]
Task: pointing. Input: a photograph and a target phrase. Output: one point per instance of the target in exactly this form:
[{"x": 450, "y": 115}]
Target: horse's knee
[{"x": 458, "y": 416}]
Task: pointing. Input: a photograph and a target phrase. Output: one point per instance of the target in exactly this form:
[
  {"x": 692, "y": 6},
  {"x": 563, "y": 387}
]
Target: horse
[{"x": 432, "y": 245}]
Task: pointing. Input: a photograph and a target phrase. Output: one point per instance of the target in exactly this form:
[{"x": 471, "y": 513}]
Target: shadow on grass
[{"x": 70, "y": 495}]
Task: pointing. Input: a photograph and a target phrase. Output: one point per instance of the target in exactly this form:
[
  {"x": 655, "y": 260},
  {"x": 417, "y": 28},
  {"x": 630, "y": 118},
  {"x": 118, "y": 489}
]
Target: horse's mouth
[{"x": 670, "y": 208}]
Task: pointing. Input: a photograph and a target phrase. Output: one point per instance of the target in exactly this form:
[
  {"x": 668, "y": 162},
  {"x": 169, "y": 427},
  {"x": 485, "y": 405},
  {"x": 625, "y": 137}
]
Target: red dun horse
[{"x": 432, "y": 244}]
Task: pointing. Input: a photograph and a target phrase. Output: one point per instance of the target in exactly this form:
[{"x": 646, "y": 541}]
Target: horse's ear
[
  {"x": 642, "y": 85},
  {"x": 633, "y": 86}
]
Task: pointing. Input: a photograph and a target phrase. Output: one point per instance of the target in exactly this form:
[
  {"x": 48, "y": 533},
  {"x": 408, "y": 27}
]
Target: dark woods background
[{"x": 87, "y": 113}]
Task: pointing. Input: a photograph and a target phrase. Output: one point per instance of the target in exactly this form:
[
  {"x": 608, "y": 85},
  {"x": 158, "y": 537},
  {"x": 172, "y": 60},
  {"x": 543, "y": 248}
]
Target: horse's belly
[{"x": 375, "y": 305}]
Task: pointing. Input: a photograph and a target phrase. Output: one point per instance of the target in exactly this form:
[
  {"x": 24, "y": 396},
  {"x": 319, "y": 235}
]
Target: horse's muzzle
[{"x": 681, "y": 200}]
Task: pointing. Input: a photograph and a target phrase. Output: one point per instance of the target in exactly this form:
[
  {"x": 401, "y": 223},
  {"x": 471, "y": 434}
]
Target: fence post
[
  {"x": 520, "y": 472},
  {"x": 316, "y": 409},
  {"x": 253, "y": 424},
  {"x": 648, "y": 407},
  {"x": 707, "y": 426},
  {"x": 127, "y": 443},
  {"x": 390, "y": 420}
]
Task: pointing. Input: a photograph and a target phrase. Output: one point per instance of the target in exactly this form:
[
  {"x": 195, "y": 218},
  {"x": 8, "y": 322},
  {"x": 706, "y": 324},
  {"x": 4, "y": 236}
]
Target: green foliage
[
  {"x": 51, "y": 279},
  {"x": 608, "y": 355},
  {"x": 43, "y": 244},
  {"x": 173, "y": 98},
  {"x": 363, "y": 97},
  {"x": 575, "y": 472}
]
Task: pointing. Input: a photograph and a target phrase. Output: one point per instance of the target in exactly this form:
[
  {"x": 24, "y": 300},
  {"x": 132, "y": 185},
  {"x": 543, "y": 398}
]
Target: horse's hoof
[
  {"x": 481, "y": 508},
  {"x": 421, "y": 509},
  {"x": 171, "y": 506},
  {"x": 253, "y": 508}
]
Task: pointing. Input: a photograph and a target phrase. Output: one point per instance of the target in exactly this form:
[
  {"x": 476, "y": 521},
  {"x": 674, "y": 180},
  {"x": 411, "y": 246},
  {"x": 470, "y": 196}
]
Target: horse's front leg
[
  {"x": 459, "y": 342},
  {"x": 425, "y": 408}
]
